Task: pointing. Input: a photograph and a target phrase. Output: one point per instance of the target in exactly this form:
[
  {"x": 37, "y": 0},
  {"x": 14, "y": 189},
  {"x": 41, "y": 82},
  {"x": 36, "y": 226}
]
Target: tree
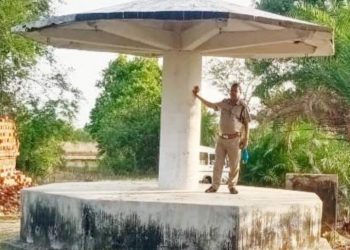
[
  {"x": 311, "y": 72},
  {"x": 209, "y": 128},
  {"x": 42, "y": 103},
  {"x": 126, "y": 118},
  {"x": 20, "y": 79},
  {"x": 17, "y": 54},
  {"x": 223, "y": 72},
  {"x": 41, "y": 133},
  {"x": 276, "y": 6},
  {"x": 81, "y": 135},
  {"x": 307, "y": 105},
  {"x": 328, "y": 74},
  {"x": 285, "y": 7}
]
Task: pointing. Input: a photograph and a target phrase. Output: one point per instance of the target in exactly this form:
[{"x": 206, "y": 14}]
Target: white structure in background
[
  {"x": 206, "y": 165},
  {"x": 80, "y": 155},
  {"x": 181, "y": 32}
]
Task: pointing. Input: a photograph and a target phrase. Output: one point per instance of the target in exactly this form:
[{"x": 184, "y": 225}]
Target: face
[{"x": 235, "y": 92}]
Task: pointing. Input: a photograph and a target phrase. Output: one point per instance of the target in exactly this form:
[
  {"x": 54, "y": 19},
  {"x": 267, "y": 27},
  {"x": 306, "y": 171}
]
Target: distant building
[{"x": 80, "y": 154}]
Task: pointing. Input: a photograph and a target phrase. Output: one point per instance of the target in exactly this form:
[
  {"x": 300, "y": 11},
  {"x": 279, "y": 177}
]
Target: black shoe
[
  {"x": 211, "y": 190},
  {"x": 233, "y": 190}
]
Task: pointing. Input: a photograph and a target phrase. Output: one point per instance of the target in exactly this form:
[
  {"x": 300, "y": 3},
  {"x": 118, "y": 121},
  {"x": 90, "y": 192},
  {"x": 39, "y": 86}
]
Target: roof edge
[{"x": 163, "y": 15}]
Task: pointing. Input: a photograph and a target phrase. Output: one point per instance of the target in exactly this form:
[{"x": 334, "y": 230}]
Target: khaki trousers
[{"x": 230, "y": 148}]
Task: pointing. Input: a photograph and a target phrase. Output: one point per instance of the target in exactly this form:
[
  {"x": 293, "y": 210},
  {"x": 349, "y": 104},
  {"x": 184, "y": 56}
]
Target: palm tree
[{"x": 321, "y": 83}]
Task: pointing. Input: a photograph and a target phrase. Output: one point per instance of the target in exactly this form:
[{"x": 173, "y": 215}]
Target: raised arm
[{"x": 195, "y": 92}]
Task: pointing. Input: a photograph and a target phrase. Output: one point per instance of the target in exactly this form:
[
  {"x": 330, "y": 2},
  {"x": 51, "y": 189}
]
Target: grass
[{"x": 86, "y": 175}]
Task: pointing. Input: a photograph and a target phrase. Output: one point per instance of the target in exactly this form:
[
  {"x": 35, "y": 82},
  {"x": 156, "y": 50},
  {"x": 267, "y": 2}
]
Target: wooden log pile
[{"x": 11, "y": 180}]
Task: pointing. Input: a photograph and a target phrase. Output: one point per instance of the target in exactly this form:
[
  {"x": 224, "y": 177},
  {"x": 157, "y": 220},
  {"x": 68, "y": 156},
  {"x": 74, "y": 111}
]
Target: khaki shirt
[{"x": 232, "y": 116}]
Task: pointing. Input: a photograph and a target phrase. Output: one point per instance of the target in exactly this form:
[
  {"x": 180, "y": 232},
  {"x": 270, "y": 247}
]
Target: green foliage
[
  {"x": 295, "y": 148},
  {"x": 285, "y": 7},
  {"x": 16, "y": 52},
  {"x": 276, "y": 6},
  {"x": 20, "y": 81},
  {"x": 209, "y": 127},
  {"x": 126, "y": 118},
  {"x": 320, "y": 95},
  {"x": 41, "y": 133},
  {"x": 26, "y": 94},
  {"x": 81, "y": 135},
  {"x": 330, "y": 72}
]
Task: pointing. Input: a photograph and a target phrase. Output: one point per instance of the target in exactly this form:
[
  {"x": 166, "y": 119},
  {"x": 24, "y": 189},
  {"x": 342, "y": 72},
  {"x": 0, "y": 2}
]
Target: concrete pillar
[{"x": 180, "y": 121}]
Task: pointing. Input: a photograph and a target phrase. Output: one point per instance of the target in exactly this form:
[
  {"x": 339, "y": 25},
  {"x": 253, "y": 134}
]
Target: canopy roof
[{"x": 210, "y": 27}]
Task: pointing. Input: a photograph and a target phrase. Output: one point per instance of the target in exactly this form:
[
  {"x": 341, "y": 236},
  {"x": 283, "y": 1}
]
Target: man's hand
[
  {"x": 243, "y": 143},
  {"x": 195, "y": 91}
]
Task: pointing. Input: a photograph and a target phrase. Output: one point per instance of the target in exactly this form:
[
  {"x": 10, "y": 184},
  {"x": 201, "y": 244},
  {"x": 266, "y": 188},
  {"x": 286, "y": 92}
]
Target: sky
[{"x": 87, "y": 66}]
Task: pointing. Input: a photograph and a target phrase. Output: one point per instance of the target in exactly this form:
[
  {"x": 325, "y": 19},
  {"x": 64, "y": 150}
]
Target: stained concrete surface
[{"x": 138, "y": 215}]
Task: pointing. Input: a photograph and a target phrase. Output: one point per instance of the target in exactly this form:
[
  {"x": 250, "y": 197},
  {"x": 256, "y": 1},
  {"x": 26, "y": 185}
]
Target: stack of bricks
[{"x": 11, "y": 180}]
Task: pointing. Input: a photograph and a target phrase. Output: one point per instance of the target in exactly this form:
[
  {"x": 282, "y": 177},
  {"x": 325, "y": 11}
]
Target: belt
[{"x": 230, "y": 136}]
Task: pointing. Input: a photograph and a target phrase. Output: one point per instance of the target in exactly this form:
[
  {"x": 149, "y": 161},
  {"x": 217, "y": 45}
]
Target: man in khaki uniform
[{"x": 234, "y": 135}]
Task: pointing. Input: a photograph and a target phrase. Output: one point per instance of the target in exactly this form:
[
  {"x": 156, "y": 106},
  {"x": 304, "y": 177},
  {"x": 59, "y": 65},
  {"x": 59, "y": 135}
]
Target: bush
[
  {"x": 300, "y": 148},
  {"x": 126, "y": 118},
  {"x": 41, "y": 133}
]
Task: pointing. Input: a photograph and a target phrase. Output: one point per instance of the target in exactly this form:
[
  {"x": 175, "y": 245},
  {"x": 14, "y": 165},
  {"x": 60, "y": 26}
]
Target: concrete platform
[{"x": 137, "y": 215}]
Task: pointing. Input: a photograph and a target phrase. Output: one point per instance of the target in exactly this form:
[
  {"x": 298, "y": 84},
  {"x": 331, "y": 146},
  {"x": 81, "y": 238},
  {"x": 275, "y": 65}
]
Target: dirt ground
[
  {"x": 9, "y": 227},
  {"x": 339, "y": 240}
]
